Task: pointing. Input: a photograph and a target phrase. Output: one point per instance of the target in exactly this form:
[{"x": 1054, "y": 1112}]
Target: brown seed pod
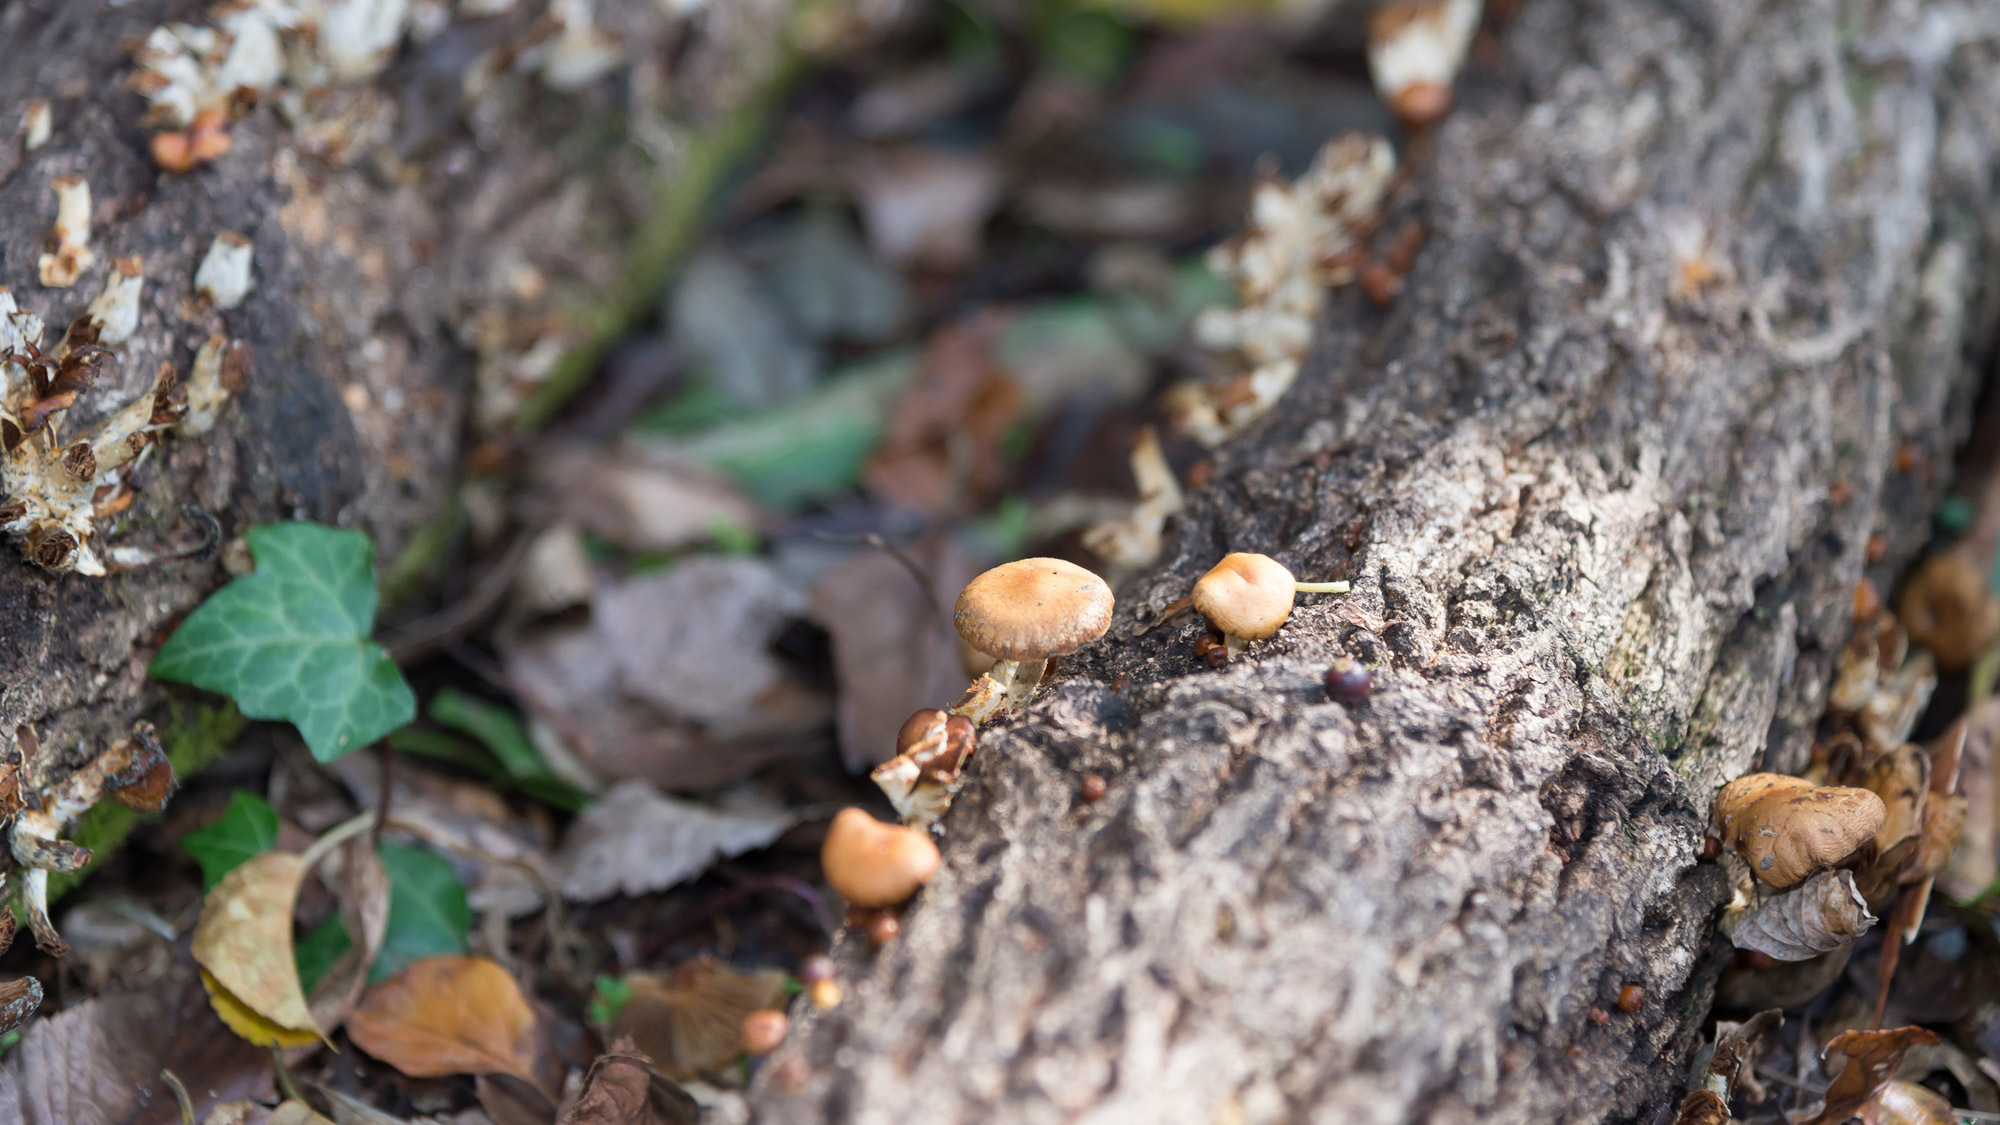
[
  {"x": 1631, "y": 998},
  {"x": 1786, "y": 828}
]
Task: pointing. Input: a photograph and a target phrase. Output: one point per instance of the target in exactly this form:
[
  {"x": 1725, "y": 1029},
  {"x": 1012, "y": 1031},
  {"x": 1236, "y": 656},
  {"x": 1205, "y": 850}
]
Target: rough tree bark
[
  {"x": 417, "y": 238},
  {"x": 1691, "y": 265}
]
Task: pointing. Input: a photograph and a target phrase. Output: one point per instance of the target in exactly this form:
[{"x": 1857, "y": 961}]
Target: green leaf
[
  {"x": 316, "y": 952},
  {"x": 427, "y": 910},
  {"x": 611, "y": 995},
  {"x": 290, "y": 641},
  {"x": 500, "y": 731},
  {"x": 248, "y": 828}
]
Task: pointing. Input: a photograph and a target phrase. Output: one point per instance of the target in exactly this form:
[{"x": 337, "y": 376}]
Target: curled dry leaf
[
  {"x": 1906, "y": 1103},
  {"x": 691, "y": 1019},
  {"x": 448, "y": 1015},
  {"x": 624, "y": 1089},
  {"x": 362, "y": 885},
  {"x": 244, "y": 945},
  {"x": 1872, "y": 1056},
  {"x": 1821, "y": 914}
]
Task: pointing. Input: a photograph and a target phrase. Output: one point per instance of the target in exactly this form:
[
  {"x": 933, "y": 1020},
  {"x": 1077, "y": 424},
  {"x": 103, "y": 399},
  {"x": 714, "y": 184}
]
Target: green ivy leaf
[
  {"x": 428, "y": 914},
  {"x": 290, "y": 641},
  {"x": 248, "y": 828}
]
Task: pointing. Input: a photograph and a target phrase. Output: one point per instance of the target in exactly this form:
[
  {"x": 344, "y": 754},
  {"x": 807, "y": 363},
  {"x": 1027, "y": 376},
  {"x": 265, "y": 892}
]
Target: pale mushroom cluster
[
  {"x": 1303, "y": 238},
  {"x": 134, "y": 771}
]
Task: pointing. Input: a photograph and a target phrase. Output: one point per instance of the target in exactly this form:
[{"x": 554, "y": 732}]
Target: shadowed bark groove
[{"x": 1690, "y": 265}]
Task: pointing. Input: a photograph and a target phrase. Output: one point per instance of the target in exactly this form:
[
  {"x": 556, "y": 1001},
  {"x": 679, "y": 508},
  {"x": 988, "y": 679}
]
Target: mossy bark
[
  {"x": 1706, "y": 297},
  {"x": 394, "y": 226}
]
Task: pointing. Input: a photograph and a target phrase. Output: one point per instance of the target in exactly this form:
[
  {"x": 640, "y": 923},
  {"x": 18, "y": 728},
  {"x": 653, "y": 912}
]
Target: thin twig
[
  {"x": 916, "y": 571},
  {"x": 427, "y": 635},
  {"x": 181, "y": 1096}
]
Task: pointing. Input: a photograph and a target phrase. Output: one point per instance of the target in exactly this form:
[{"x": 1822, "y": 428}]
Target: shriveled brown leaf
[
  {"x": 642, "y": 498},
  {"x": 509, "y": 1100},
  {"x": 1825, "y": 912},
  {"x": 1735, "y": 1047},
  {"x": 448, "y": 1015},
  {"x": 926, "y": 206},
  {"x": 941, "y": 446},
  {"x": 672, "y": 678},
  {"x": 691, "y": 1018},
  {"x": 892, "y": 652},
  {"x": 624, "y": 1089},
  {"x": 1906, "y": 1103},
  {"x": 1872, "y": 1056},
  {"x": 99, "y": 1062},
  {"x": 635, "y": 840},
  {"x": 244, "y": 941},
  {"x": 1901, "y": 777},
  {"x": 1976, "y": 863},
  {"x": 20, "y": 999}
]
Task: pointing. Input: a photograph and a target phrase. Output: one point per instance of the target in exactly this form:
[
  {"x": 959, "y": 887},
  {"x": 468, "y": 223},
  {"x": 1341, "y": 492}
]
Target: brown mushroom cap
[
  {"x": 1245, "y": 595},
  {"x": 872, "y": 864},
  {"x": 1786, "y": 828},
  {"x": 1033, "y": 609}
]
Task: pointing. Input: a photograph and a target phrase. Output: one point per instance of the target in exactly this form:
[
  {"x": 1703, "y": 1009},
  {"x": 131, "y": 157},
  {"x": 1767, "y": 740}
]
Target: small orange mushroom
[{"x": 872, "y": 864}]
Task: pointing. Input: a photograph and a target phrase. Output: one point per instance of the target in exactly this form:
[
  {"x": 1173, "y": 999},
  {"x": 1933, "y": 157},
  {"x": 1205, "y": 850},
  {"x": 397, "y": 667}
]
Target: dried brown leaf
[
  {"x": 99, "y": 1062},
  {"x": 1906, "y": 1103},
  {"x": 635, "y": 840},
  {"x": 926, "y": 206},
  {"x": 643, "y": 499},
  {"x": 448, "y": 1015},
  {"x": 244, "y": 941},
  {"x": 1901, "y": 777},
  {"x": 1823, "y": 913},
  {"x": 691, "y": 1019},
  {"x": 892, "y": 651},
  {"x": 624, "y": 1089},
  {"x": 1872, "y": 1056},
  {"x": 354, "y": 872}
]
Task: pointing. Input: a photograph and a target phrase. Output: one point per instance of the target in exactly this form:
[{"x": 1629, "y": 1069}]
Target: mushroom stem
[
  {"x": 1233, "y": 645},
  {"x": 1320, "y": 587},
  {"x": 1020, "y": 678}
]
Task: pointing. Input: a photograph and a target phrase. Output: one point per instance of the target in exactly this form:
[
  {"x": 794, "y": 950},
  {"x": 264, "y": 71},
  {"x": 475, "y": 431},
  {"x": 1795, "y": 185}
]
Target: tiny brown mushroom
[
  {"x": 1786, "y": 828},
  {"x": 1247, "y": 597},
  {"x": 1022, "y": 613},
  {"x": 872, "y": 864}
]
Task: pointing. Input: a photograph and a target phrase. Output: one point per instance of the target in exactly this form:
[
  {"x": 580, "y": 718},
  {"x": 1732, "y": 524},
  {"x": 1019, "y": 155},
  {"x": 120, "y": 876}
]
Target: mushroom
[
  {"x": 930, "y": 751},
  {"x": 1021, "y": 613},
  {"x": 872, "y": 864},
  {"x": 1786, "y": 828},
  {"x": 1248, "y": 596},
  {"x": 1950, "y": 609}
]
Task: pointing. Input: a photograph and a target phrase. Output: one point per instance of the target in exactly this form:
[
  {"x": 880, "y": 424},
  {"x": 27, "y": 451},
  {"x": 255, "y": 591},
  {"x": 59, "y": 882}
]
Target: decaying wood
[
  {"x": 1701, "y": 309},
  {"x": 407, "y": 230}
]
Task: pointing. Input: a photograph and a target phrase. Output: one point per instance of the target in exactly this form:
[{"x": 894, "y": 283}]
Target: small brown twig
[{"x": 180, "y": 1095}]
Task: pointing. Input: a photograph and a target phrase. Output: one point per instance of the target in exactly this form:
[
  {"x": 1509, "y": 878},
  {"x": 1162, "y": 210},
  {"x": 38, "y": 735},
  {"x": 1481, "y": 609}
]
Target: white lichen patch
[
  {"x": 223, "y": 278},
  {"x": 116, "y": 310},
  {"x": 1303, "y": 238},
  {"x": 61, "y": 267},
  {"x": 37, "y": 121},
  {"x": 53, "y": 490}
]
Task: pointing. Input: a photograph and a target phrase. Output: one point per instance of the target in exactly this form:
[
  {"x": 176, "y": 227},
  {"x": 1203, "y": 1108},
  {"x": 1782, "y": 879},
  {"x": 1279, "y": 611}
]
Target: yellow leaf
[
  {"x": 249, "y": 1024},
  {"x": 244, "y": 940},
  {"x": 448, "y": 1015}
]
